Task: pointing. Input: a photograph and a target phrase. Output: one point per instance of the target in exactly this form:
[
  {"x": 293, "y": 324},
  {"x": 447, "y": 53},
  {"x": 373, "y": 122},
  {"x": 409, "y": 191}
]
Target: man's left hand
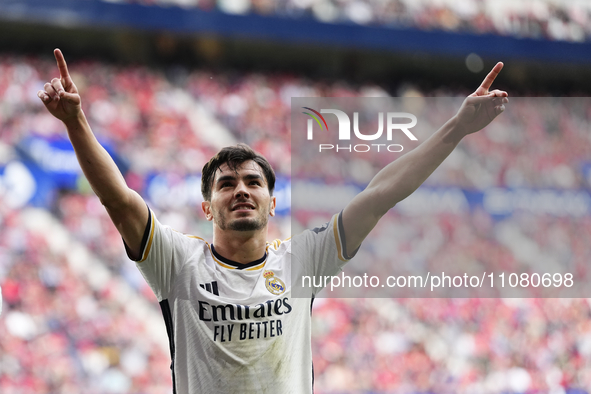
[{"x": 482, "y": 106}]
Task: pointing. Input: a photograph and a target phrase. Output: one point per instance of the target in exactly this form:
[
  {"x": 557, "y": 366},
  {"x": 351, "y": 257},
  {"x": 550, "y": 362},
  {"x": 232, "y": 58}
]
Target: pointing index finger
[
  {"x": 61, "y": 64},
  {"x": 490, "y": 78}
]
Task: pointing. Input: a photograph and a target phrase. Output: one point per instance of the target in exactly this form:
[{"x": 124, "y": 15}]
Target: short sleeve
[
  {"x": 163, "y": 254},
  {"x": 320, "y": 252}
]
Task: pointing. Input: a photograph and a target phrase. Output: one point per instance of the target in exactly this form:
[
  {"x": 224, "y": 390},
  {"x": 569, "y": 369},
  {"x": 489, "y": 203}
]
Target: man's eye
[
  {"x": 255, "y": 183},
  {"x": 225, "y": 184}
]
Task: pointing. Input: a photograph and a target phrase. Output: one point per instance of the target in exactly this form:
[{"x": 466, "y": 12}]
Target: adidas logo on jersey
[{"x": 211, "y": 287}]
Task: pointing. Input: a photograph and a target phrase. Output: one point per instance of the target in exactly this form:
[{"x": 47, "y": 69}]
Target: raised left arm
[{"x": 403, "y": 176}]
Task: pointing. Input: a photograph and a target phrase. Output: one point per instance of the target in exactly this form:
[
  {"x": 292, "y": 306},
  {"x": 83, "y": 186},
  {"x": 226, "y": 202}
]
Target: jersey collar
[{"x": 234, "y": 265}]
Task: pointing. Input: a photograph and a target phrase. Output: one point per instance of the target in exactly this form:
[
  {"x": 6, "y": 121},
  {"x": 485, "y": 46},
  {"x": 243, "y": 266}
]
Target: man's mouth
[{"x": 243, "y": 207}]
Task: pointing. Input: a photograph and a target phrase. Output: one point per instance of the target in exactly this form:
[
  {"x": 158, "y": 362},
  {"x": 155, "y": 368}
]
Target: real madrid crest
[{"x": 274, "y": 284}]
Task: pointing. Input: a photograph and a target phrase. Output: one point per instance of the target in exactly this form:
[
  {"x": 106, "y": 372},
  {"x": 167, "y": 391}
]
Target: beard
[
  {"x": 247, "y": 224},
  {"x": 241, "y": 224}
]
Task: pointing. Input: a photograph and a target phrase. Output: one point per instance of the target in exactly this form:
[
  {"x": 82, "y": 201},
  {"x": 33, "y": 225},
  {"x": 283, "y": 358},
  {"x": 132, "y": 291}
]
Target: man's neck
[{"x": 240, "y": 246}]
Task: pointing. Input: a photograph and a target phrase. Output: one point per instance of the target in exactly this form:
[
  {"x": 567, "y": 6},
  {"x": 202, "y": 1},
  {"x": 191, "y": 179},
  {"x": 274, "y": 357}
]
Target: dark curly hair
[{"x": 234, "y": 156}]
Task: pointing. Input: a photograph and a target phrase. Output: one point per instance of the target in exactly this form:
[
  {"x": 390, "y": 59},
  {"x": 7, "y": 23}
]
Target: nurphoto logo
[{"x": 393, "y": 120}]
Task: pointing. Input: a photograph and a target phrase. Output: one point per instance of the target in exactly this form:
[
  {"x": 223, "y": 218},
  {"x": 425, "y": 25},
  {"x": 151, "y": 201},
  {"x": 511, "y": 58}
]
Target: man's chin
[{"x": 246, "y": 224}]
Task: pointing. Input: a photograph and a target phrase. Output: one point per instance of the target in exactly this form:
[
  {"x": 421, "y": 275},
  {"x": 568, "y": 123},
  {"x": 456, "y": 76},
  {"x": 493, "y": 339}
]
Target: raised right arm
[{"x": 127, "y": 209}]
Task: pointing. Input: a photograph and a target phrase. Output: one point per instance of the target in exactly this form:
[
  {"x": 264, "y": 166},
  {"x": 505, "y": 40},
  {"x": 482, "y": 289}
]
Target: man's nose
[{"x": 241, "y": 191}]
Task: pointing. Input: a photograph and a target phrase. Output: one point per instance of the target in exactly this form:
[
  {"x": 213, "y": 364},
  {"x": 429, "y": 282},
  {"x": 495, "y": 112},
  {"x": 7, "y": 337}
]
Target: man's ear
[
  {"x": 206, "y": 207},
  {"x": 273, "y": 205}
]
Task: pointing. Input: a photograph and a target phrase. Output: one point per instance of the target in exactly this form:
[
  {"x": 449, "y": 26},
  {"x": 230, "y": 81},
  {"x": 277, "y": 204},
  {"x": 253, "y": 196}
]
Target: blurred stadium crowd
[
  {"x": 61, "y": 331},
  {"x": 538, "y": 19}
]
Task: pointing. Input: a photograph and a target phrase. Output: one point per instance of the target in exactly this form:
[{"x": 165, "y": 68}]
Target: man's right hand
[{"x": 60, "y": 96}]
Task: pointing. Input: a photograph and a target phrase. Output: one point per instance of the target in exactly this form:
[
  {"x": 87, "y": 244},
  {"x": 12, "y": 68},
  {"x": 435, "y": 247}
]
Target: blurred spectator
[
  {"x": 58, "y": 335},
  {"x": 538, "y": 19}
]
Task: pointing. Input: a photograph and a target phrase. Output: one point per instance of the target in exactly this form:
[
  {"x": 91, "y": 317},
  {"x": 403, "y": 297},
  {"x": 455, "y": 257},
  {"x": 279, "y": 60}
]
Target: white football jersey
[{"x": 238, "y": 328}]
